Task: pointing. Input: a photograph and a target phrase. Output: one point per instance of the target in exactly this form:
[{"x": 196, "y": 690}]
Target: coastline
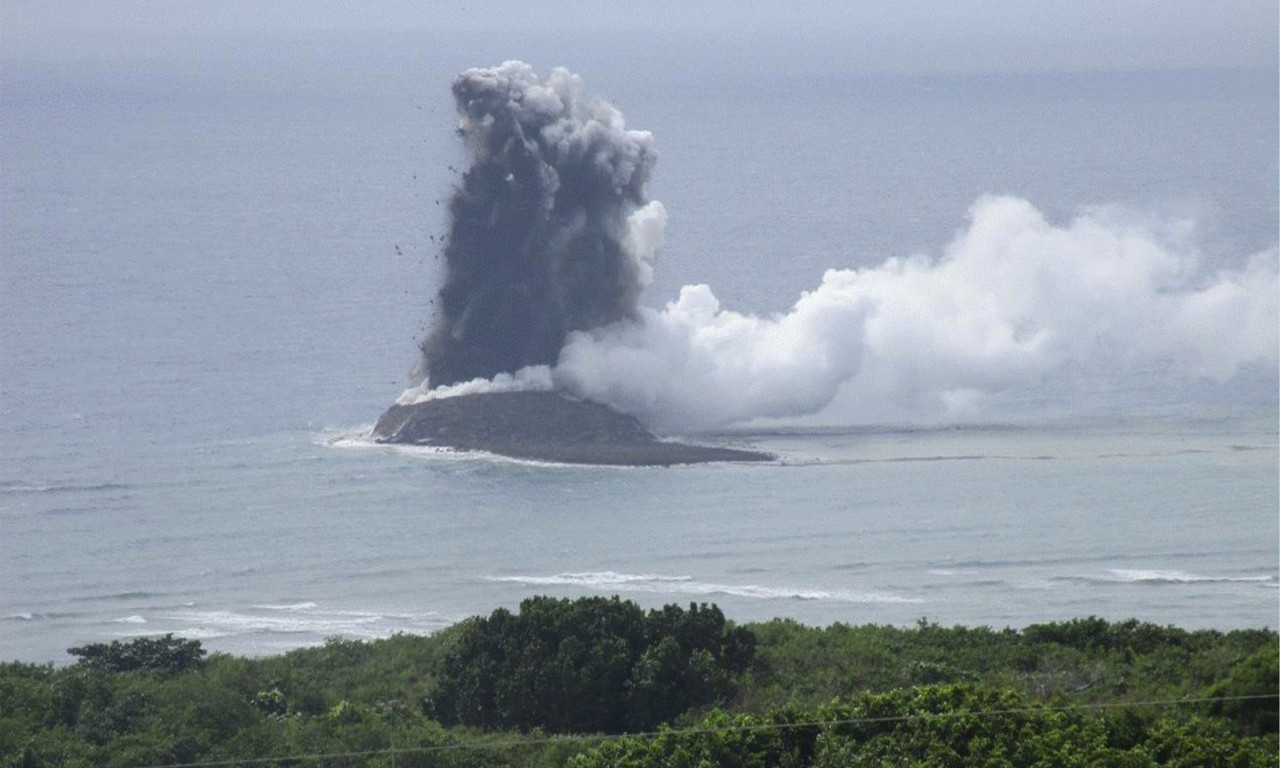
[{"x": 567, "y": 671}]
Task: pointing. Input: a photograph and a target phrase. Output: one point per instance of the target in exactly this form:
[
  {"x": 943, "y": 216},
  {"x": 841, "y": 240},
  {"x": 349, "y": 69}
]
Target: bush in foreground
[{"x": 589, "y": 665}]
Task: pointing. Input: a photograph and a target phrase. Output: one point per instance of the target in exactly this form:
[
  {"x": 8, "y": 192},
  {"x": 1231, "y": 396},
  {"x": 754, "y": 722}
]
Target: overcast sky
[{"x": 930, "y": 35}]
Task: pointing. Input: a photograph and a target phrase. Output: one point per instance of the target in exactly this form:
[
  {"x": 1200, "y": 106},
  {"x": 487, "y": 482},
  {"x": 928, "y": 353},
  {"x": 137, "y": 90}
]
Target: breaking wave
[
  {"x": 303, "y": 618},
  {"x": 687, "y": 585},
  {"x": 1180, "y": 577},
  {"x": 1157, "y": 576}
]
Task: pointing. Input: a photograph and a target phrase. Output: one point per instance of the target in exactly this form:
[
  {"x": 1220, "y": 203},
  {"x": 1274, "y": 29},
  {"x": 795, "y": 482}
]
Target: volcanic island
[
  {"x": 545, "y": 427},
  {"x": 550, "y": 232}
]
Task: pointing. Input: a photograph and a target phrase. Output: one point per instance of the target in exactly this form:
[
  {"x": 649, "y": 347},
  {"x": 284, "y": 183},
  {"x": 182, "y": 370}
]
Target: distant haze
[{"x": 918, "y": 35}]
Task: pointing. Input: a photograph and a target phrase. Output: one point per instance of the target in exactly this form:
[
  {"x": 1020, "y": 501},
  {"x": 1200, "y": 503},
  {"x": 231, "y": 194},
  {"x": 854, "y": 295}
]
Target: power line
[{"x": 699, "y": 731}]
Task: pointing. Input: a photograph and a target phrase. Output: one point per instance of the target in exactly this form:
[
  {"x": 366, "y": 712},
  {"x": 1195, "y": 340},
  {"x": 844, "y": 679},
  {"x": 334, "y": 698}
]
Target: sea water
[{"x": 215, "y": 270}]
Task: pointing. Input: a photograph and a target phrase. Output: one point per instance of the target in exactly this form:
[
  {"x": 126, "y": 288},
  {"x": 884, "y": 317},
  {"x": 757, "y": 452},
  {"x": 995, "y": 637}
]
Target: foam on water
[
  {"x": 361, "y": 439},
  {"x": 1162, "y": 577},
  {"x": 593, "y": 579},
  {"x": 300, "y": 606},
  {"x": 346, "y": 437},
  {"x": 41, "y": 615},
  {"x": 1181, "y": 577},
  {"x": 298, "y": 619},
  {"x": 364, "y": 441},
  {"x": 686, "y": 585}
]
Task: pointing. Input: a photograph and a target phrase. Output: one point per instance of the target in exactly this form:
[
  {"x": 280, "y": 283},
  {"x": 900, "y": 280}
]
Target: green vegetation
[
  {"x": 521, "y": 689},
  {"x": 589, "y": 665},
  {"x": 162, "y": 654},
  {"x": 938, "y": 725}
]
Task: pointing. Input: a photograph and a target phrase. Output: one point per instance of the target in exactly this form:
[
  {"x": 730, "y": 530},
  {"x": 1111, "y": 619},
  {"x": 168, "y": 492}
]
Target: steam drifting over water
[{"x": 552, "y": 242}]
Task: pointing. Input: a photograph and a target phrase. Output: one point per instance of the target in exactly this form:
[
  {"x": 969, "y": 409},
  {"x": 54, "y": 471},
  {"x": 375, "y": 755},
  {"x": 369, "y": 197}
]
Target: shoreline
[{"x": 269, "y": 651}]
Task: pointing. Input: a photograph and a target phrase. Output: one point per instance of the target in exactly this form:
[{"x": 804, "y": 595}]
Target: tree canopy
[
  {"x": 150, "y": 654},
  {"x": 594, "y": 664}
]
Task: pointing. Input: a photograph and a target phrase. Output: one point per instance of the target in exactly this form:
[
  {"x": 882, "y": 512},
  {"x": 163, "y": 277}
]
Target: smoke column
[
  {"x": 549, "y": 231},
  {"x": 552, "y": 241}
]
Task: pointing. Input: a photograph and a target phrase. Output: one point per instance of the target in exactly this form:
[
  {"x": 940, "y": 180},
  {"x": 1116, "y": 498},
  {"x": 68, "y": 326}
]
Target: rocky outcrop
[{"x": 542, "y": 426}]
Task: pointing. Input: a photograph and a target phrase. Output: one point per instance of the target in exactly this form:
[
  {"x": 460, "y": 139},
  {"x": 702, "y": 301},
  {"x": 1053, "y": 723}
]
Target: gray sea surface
[{"x": 214, "y": 270}]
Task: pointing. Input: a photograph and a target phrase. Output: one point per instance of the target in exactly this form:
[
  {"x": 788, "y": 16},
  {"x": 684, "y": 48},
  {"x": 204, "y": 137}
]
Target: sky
[{"x": 910, "y": 35}]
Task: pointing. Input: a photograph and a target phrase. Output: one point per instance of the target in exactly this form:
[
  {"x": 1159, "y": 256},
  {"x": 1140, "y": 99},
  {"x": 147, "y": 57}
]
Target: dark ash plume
[{"x": 547, "y": 231}]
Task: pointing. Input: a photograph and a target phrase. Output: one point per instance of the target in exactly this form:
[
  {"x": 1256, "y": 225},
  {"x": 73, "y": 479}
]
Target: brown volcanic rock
[{"x": 541, "y": 426}]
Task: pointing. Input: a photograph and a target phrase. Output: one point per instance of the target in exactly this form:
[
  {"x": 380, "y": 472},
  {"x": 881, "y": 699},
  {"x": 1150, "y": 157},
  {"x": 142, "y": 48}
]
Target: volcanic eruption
[{"x": 551, "y": 243}]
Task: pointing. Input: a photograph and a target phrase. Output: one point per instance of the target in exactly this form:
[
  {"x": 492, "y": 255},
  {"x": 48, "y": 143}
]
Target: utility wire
[{"x": 699, "y": 731}]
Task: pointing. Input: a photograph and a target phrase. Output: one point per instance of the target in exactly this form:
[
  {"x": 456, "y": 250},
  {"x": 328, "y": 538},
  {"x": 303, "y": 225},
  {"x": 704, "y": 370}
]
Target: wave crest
[{"x": 687, "y": 585}]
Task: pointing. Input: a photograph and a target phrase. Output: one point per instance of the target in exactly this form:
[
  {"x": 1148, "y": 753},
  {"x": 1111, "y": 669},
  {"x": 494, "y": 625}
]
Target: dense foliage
[
  {"x": 939, "y": 726},
  {"x": 155, "y": 654},
  {"x": 1083, "y": 661},
  {"x": 587, "y": 665},
  {"x": 785, "y": 695}
]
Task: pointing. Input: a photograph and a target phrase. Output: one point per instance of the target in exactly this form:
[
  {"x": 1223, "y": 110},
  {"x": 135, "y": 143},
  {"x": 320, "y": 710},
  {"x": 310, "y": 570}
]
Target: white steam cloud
[{"x": 1012, "y": 300}]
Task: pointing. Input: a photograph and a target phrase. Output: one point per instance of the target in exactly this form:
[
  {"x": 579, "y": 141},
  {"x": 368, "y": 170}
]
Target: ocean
[{"x": 215, "y": 269}]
